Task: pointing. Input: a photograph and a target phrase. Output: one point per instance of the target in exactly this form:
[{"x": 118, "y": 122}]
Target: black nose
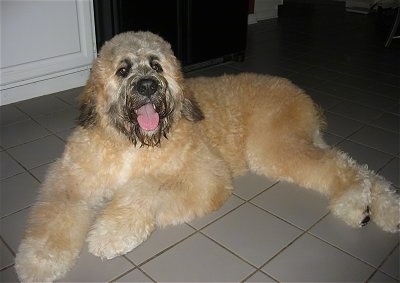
[{"x": 147, "y": 86}]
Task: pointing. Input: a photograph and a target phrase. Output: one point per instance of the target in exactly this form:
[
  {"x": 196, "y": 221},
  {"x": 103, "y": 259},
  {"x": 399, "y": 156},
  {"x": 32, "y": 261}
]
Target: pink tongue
[{"x": 147, "y": 117}]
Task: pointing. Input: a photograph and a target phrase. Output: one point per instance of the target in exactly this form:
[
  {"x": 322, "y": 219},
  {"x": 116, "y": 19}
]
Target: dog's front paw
[
  {"x": 109, "y": 239},
  {"x": 36, "y": 262}
]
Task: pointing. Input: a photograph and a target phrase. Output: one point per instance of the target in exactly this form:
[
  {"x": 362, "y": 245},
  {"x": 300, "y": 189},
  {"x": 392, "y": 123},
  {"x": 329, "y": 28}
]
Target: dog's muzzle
[
  {"x": 147, "y": 86},
  {"x": 147, "y": 116}
]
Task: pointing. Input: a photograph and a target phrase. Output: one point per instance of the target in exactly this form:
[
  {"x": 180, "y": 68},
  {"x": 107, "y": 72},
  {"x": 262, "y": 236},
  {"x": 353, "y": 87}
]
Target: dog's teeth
[{"x": 154, "y": 107}]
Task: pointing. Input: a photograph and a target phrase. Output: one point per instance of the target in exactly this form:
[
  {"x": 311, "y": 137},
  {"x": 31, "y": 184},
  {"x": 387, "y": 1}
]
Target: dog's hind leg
[
  {"x": 356, "y": 193},
  {"x": 290, "y": 147}
]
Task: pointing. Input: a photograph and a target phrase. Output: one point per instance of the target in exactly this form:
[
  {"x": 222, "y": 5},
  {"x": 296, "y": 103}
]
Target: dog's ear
[
  {"x": 190, "y": 108},
  {"x": 87, "y": 106}
]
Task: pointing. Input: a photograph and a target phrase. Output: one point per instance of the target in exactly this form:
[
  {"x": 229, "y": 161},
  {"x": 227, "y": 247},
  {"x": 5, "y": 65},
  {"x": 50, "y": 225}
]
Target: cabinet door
[{"x": 41, "y": 40}]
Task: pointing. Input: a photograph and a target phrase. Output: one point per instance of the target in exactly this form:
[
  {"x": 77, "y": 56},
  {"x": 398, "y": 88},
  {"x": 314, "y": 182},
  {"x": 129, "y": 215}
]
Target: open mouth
[{"x": 148, "y": 117}]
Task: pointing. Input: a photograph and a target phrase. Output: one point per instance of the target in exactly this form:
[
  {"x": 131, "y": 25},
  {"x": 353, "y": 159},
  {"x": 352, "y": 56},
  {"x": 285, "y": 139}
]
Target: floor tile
[
  {"x": 197, "y": 259},
  {"x": 64, "y": 135},
  {"x": 8, "y": 275},
  {"x": 295, "y": 65},
  {"x": 388, "y": 122},
  {"x": 332, "y": 139},
  {"x": 6, "y": 257},
  {"x": 42, "y": 105},
  {"x": 232, "y": 203},
  {"x": 21, "y": 132},
  {"x": 259, "y": 277},
  {"x": 8, "y": 166},
  {"x": 311, "y": 260},
  {"x": 375, "y": 159},
  {"x": 89, "y": 268},
  {"x": 70, "y": 96},
  {"x": 357, "y": 96},
  {"x": 9, "y": 114},
  {"x": 369, "y": 243},
  {"x": 341, "y": 126},
  {"x": 256, "y": 65},
  {"x": 17, "y": 192},
  {"x": 391, "y": 171},
  {"x": 250, "y": 185},
  {"x": 212, "y": 71},
  {"x": 385, "y": 89},
  {"x": 356, "y": 81},
  {"x": 38, "y": 152},
  {"x": 324, "y": 100},
  {"x": 323, "y": 73},
  {"x": 12, "y": 228},
  {"x": 252, "y": 233},
  {"x": 59, "y": 121},
  {"x": 381, "y": 278},
  {"x": 158, "y": 241},
  {"x": 355, "y": 111},
  {"x": 304, "y": 80},
  {"x": 391, "y": 265},
  {"x": 40, "y": 172},
  {"x": 378, "y": 139},
  {"x": 134, "y": 276},
  {"x": 296, "y": 205}
]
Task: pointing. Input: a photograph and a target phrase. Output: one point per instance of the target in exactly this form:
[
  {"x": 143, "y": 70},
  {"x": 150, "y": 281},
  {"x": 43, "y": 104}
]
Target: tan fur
[{"x": 115, "y": 183}]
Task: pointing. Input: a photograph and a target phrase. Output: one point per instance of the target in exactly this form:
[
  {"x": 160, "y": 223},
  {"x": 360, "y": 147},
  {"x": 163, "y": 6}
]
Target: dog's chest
[{"x": 138, "y": 163}]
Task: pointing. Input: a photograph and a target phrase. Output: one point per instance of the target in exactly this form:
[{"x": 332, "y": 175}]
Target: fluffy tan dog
[{"x": 153, "y": 150}]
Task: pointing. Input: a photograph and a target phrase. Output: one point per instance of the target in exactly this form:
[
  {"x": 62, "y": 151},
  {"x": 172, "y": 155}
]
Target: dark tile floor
[{"x": 266, "y": 231}]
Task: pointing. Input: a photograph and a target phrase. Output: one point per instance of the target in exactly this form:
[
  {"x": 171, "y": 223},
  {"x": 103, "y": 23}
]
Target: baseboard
[
  {"x": 251, "y": 19},
  {"x": 44, "y": 86}
]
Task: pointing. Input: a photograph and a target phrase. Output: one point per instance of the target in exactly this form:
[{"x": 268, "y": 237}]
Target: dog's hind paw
[
  {"x": 385, "y": 206},
  {"x": 367, "y": 217},
  {"x": 353, "y": 207}
]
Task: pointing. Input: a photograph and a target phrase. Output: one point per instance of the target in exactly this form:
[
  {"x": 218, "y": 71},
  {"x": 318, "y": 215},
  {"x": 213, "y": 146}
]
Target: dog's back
[{"x": 235, "y": 105}]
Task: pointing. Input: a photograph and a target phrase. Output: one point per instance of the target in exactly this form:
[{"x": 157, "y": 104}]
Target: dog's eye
[
  {"x": 156, "y": 67},
  {"x": 123, "y": 72}
]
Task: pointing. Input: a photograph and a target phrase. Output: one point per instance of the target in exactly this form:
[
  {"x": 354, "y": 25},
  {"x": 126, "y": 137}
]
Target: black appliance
[{"x": 201, "y": 32}]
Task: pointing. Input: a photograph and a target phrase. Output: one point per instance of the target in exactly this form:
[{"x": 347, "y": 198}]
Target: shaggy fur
[{"x": 153, "y": 150}]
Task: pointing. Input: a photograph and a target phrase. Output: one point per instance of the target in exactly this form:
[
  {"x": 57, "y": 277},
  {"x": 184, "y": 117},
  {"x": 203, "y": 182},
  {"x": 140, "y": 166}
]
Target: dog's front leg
[
  {"x": 56, "y": 232},
  {"x": 125, "y": 222}
]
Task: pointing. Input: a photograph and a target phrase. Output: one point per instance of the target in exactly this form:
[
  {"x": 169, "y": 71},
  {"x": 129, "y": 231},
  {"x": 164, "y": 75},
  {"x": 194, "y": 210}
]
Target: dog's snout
[{"x": 147, "y": 86}]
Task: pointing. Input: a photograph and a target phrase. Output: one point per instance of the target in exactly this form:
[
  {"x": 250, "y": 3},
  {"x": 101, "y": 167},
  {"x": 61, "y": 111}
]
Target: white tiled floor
[{"x": 266, "y": 231}]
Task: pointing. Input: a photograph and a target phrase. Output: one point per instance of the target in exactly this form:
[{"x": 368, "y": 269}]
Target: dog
[{"x": 152, "y": 149}]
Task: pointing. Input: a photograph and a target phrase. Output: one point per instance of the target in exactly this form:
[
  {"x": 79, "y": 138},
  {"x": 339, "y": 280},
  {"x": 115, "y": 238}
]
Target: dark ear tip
[
  {"x": 88, "y": 116},
  {"x": 87, "y": 106},
  {"x": 191, "y": 110}
]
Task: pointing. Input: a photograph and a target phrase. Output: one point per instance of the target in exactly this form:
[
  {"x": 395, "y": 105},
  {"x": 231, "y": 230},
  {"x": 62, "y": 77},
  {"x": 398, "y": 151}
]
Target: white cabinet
[{"x": 46, "y": 46}]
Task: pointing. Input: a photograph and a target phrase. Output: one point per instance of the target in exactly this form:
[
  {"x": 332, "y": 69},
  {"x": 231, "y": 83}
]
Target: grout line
[
  {"x": 131, "y": 270},
  {"x": 229, "y": 250},
  {"x": 17, "y": 211},
  {"x": 7, "y": 267},
  {"x": 25, "y": 168},
  {"x": 382, "y": 263},
  {"x": 167, "y": 249},
  {"x": 7, "y": 246}
]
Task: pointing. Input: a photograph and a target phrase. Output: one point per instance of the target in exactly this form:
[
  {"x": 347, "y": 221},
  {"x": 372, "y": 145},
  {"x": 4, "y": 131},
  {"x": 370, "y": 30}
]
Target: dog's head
[{"x": 135, "y": 87}]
